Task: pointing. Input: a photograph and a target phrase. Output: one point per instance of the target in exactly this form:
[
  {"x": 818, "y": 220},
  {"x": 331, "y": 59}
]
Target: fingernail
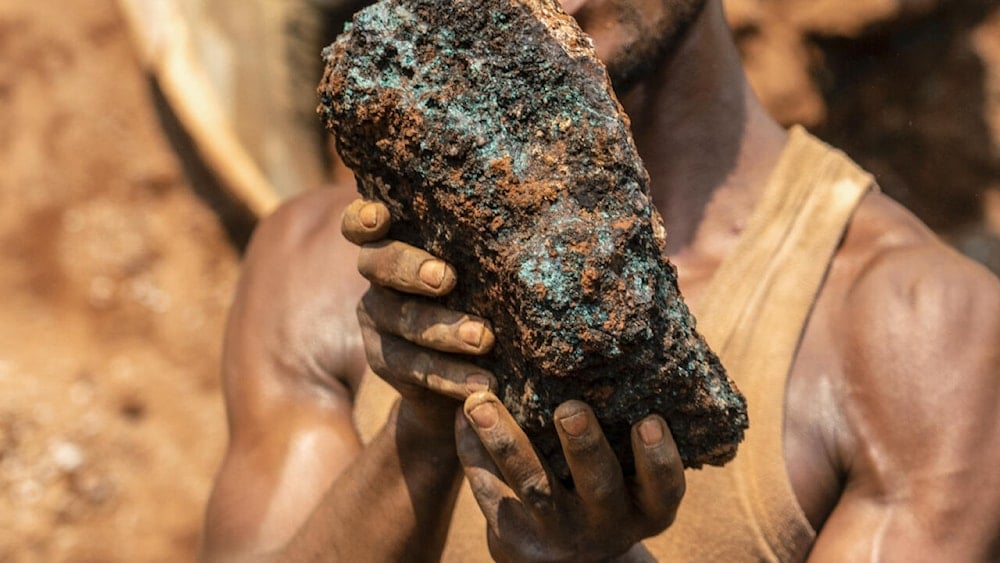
[
  {"x": 471, "y": 332},
  {"x": 575, "y": 424},
  {"x": 477, "y": 382},
  {"x": 369, "y": 215},
  {"x": 432, "y": 273},
  {"x": 651, "y": 432},
  {"x": 484, "y": 415}
]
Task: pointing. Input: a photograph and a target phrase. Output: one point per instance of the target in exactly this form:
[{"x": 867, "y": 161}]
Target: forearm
[{"x": 393, "y": 503}]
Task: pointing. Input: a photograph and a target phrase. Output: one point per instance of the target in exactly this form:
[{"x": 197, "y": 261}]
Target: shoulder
[
  {"x": 913, "y": 328},
  {"x": 907, "y": 290},
  {"x": 917, "y": 331},
  {"x": 300, "y": 274},
  {"x": 311, "y": 214}
]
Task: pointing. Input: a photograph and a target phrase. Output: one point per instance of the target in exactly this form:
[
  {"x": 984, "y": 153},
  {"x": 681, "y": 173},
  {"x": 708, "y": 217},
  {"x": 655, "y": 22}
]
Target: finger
[
  {"x": 405, "y": 268},
  {"x": 365, "y": 221},
  {"x": 497, "y": 501},
  {"x": 426, "y": 323},
  {"x": 511, "y": 451},
  {"x": 485, "y": 479},
  {"x": 597, "y": 475},
  {"x": 659, "y": 470},
  {"x": 400, "y": 362}
]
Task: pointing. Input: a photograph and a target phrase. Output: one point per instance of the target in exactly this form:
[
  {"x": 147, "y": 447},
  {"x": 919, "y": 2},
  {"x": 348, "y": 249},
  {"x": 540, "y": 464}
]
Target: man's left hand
[{"x": 531, "y": 516}]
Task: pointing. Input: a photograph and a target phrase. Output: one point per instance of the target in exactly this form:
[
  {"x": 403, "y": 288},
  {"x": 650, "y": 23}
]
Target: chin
[{"x": 632, "y": 37}]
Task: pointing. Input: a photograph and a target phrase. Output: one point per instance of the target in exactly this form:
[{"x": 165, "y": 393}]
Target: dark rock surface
[{"x": 491, "y": 131}]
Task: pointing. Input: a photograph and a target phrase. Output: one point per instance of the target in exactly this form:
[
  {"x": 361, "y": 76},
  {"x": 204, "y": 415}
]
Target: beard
[{"x": 647, "y": 43}]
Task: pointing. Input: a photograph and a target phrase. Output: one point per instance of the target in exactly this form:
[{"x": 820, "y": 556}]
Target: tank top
[{"x": 753, "y": 315}]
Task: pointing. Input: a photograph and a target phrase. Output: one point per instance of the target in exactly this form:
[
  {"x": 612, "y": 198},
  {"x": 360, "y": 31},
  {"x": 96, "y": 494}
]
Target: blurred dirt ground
[
  {"x": 115, "y": 273},
  {"x": 115, "y": 278}
]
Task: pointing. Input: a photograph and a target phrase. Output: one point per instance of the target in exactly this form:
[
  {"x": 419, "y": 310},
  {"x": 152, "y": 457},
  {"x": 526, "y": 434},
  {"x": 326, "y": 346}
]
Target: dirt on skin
[{"x": 115, "y": 275}]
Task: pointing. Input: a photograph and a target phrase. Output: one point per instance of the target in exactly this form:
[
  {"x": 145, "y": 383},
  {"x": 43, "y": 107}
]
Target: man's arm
[
  {"x": 296, "y": 483},
  {"x": 921, "y": 333}
]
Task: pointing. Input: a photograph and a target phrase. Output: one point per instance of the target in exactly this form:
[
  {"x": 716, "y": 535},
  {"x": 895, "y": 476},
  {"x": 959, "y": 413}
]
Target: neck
[{"x": 705, "y": 139}]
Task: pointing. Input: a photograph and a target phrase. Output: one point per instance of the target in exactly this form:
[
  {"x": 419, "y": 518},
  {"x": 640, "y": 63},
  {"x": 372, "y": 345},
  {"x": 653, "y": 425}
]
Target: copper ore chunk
[{"x": 491, "y": 131}]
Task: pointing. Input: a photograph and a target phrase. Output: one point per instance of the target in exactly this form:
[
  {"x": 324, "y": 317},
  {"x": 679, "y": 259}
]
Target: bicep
[
  {"x": 923, "y": 400},
  {"x": 929, "y": 525}
]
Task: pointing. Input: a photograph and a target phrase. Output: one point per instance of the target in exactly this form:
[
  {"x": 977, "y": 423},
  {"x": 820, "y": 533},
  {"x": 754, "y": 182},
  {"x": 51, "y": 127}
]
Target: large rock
[{"x": 491, "y": 131}]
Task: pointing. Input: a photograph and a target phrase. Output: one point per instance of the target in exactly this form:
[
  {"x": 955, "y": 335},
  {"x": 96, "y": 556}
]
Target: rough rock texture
[
  {"x": 108, "y": 441},
  {"x": 492, "y": 133}
]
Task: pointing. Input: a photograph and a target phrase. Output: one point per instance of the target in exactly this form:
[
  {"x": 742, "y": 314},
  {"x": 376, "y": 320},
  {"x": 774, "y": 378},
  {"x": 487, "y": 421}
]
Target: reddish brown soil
[
  {"x": 115, "y": 275},
  {"x": 115, "y": 279}
]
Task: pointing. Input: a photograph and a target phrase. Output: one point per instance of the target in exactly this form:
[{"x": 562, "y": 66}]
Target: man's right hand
[
  {"x": 296, "y": 481},
  {"x": 411, "y": 341}
]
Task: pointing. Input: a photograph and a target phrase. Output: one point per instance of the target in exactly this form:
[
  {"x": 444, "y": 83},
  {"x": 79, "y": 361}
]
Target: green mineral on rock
[{"x": 491, "y": 131}]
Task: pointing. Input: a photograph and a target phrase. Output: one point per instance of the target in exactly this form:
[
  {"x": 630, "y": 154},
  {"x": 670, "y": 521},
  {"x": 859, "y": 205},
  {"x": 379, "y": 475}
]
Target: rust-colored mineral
[{"x": 491, "y": 131}]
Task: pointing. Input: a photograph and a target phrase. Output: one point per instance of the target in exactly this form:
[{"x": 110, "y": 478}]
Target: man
[{"x": 867, "y": 349}]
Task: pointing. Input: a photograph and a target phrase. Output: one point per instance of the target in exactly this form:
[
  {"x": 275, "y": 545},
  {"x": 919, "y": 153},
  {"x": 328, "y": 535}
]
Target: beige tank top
[{"x": 753, "y": 316}]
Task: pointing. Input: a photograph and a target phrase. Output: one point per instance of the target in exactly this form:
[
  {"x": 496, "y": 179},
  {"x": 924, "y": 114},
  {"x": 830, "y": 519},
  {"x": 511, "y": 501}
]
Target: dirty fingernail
[
  {"x": 575, "y": 424},
  {"x": 471, "y": 332},
  {"x": 432, "y": 273},
  {"x": 369, "y": 215},
  {"x": 484, "y": 415},
  {"x": 651, "y": 432},
  {"x": 477, "y": 382}
]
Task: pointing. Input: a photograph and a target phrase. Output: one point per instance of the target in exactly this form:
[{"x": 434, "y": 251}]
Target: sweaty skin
[{"x": 892, "y": 427}]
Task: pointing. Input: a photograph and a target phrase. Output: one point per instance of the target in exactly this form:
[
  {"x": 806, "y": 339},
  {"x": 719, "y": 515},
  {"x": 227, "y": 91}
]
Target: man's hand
[
  {"x": 411, "y": 341},
  {"x": 532, "y": 517},
  {"x": 415, "y": 344},
  {"x": 296, "y": 481}
]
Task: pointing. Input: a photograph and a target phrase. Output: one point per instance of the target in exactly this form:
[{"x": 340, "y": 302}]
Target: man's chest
[{"x": 813, "y": 420}]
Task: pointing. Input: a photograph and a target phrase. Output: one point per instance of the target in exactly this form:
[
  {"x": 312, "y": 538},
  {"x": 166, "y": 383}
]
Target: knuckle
[
  {"x": 587, "y": 446},
  {"x": 376, "y": 361},
  {"x": 381, "y": 310},
  {"x": 663, "y": 520},
  {"x": 443, "y": 381},
  {"x": 421, "y": 368},
  {"x": 446, "y": 388},
  {"x": 374, "y": 346},
  {"x": 501, "y": 444},
  {"x": 499, "y": 548},
  {"x": 677, "y": 487},
  {"x": 664, "y": 511},
  {"x": 535, "y": 491},
  {"x": 362, "y": 313},
  {"x": 409, "y": 320},
  {"x": 379, "y": 262},
  {"x": 605, "y": 491},
  {"x": 367, "y": 262},
  {"x": 644, "y": 525},
  {"x": 479, "y": 483},
  {"x": 664, "y": 465},
  {"x": 670, "y": 481}
]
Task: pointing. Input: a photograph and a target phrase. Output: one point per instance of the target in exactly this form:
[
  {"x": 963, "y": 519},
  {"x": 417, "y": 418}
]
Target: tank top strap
[{"x": 758, "y": 303}]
